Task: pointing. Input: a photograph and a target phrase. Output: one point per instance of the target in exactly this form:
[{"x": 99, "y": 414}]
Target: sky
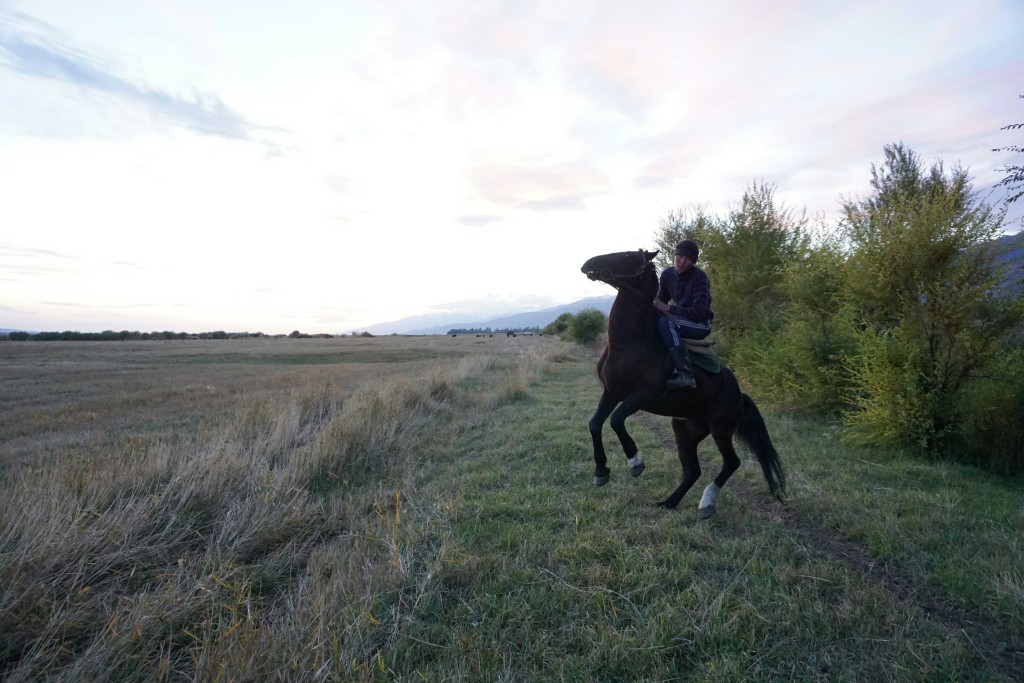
[{"x": 323, "y": 166}]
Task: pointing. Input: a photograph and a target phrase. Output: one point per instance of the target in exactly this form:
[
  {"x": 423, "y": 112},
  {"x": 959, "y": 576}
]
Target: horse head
[{"x": 631, "y": 269}]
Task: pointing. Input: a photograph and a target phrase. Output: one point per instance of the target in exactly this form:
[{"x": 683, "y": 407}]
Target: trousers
[{"x": 672, "y": 329}]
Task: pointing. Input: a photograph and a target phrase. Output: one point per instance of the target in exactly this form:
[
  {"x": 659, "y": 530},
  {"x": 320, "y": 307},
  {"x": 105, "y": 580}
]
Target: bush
[
  {"x": 586, "y": 326},
  {"x": 559, "y": 325},
  {"x": 993, "y": 431}
]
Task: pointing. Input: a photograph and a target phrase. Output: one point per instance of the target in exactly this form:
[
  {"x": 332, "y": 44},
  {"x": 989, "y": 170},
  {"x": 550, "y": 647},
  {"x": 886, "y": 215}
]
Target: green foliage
[
  {"x": 747, "y": 259},
  {"x": 800, "y": 366},
  {"x": 583, "y": 328},
  {"x": 921, "y": 278},
  {"x": 691, "y": 223},
  {"x": 992, "y": 408},
  {"x": 744, "y": 254},
  {"x": 559, "y": 325},
  {"x": 899, "y": 314},
  {"x": 586, "y": 326},
  {"x": 799, "y": 361}
]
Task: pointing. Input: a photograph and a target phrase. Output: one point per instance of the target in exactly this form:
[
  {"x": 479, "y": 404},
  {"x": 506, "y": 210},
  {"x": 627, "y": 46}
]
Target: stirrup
[{"x": 681, "y": 381}]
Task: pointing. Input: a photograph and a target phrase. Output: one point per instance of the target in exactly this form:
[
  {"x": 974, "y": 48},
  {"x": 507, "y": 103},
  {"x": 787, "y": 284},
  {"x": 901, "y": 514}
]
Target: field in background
[
  {"x": 78, "y": 396},
  {"x": 422, "y": 508}
]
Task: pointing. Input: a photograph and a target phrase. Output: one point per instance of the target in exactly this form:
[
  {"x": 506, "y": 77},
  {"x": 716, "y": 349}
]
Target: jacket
[{"x": 688, "y": 295}]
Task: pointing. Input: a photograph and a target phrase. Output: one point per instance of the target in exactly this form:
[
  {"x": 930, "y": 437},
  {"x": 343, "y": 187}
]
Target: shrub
[
  {"x": 586, "y": 326},
  {"x": 559, "y": 325}
]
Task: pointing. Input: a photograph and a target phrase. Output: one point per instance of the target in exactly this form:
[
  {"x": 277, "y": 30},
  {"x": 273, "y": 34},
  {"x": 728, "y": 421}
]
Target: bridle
[{"x": 606, "y": 277}]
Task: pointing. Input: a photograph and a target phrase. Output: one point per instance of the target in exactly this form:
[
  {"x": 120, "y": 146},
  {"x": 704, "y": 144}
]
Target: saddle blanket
[{"x": 703, "y": 355}]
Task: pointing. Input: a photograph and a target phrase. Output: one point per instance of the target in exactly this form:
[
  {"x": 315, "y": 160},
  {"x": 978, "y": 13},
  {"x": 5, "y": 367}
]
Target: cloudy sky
[{"x": 325, "y": 165}]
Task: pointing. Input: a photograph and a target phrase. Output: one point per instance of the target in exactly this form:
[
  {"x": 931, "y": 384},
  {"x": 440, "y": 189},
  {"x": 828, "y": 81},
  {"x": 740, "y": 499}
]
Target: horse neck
[{"x": 630, "y": 318}]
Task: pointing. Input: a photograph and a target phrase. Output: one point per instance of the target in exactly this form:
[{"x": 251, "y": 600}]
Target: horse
[{"x": 633, "y": 369}]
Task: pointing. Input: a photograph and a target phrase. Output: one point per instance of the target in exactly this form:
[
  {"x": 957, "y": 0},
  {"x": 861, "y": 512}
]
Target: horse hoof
[
  {"x": 601, "y": 479},
  {"x": 636, "y": 466},
  {"x": 666, "y": 505},
  {"x": 706, "y": 513}
]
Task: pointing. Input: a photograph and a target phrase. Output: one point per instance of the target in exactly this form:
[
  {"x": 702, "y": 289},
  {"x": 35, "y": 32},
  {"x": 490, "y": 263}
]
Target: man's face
[{"x": 682, "y": 263}]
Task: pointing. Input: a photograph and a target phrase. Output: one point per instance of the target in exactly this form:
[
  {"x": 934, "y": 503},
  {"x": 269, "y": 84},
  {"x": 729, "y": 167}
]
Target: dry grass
[{"x": 223, "y": 509}]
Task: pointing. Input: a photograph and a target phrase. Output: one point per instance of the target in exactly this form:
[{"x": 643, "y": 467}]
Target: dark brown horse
[{"x": 633, "y": 370}]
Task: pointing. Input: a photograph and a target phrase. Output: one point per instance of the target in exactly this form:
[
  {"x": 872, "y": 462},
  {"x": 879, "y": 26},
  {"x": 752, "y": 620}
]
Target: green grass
[
  {"x": 572, "y": 582},
  {"x": 439, "y": 522}
]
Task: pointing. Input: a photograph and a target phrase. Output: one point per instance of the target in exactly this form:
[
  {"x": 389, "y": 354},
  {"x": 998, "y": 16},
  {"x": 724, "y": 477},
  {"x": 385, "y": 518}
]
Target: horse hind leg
[
  {"x": 688, "y": 434},
  {"x": 730, "y": 463}
]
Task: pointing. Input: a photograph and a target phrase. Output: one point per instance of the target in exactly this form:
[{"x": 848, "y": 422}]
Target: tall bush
[
  {"x": 760, "y": 237},
  {"x": 922, "y": 282}
]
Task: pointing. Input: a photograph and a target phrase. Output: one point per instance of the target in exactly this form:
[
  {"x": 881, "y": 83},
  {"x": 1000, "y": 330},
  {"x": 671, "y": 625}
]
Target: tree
[
  {"x": 1014, "y": 180},
  {"x": 691, "y": 223},
  {"x": 800, "y": 361},
  {"x": 746, "y": 259},
  {"x": 922, "y": 281}
]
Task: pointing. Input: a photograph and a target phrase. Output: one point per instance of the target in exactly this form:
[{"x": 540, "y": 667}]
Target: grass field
[{"x": 423, "y": 509}]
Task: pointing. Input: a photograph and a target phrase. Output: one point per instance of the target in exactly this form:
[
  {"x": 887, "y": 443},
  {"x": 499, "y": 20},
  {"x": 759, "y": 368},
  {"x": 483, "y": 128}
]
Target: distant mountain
[
  {"x": 1014, "y": 256},
  {"x": 421, "y": 324}
]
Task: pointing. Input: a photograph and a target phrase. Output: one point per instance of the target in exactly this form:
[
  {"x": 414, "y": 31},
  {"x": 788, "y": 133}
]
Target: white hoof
[
  {"x": 706, "y": 513},
  {"x": 708, "y": 499}
]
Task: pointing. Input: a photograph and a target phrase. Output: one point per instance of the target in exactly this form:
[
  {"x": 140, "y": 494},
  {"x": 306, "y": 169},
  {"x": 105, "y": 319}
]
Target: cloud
[
  {"x": 337, "y": 183},
  {"x": 478, "y": 221},
  {"x": 30, "y": 252},
  {"x": 38, "y": 50},
  {"x": 562, "y": 185},
  {"x": 17, "y": 260}
]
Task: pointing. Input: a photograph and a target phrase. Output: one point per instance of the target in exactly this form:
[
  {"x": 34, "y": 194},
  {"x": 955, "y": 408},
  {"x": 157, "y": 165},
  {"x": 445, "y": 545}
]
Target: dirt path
[{"x": 989, "y": 637}]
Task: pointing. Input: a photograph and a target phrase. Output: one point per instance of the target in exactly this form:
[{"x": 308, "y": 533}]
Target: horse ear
[{"x": 649, "y": 255}]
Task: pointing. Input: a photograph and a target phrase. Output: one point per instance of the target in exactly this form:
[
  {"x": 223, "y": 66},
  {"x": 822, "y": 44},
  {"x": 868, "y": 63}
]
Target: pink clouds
[{"x": 536, "y": 185}]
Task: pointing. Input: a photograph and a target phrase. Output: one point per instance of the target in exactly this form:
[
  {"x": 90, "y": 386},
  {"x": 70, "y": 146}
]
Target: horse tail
[{"x": 754, "y": 434}]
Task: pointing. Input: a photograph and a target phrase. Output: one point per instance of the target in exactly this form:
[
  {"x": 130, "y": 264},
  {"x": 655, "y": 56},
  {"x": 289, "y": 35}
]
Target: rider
[{"x": 689, "y": 315}]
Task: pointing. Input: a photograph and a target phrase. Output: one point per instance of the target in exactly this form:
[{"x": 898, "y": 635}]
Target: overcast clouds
[{"x": 323, "y": 166}]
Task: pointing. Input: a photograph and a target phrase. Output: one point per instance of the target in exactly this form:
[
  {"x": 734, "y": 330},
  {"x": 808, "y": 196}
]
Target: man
[{"x": 689, "y": 314}]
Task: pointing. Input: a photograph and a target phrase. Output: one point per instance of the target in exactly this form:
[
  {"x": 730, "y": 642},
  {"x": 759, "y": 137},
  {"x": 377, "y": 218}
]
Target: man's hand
[{"x": 661, "y": 305}]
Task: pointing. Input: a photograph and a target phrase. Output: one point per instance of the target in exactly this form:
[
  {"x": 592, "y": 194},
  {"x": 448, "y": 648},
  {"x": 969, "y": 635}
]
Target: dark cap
[{"x": 687, "y": 248}]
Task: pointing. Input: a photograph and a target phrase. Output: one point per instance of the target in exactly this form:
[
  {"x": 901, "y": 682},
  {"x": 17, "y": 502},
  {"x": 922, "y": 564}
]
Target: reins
[{"x": 643, "y": 267}]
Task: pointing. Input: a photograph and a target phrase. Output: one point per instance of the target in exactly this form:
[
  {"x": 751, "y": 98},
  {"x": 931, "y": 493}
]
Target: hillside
[
  {"x": 440, "y": 325},
  {"x": 1015, "y": 257}
]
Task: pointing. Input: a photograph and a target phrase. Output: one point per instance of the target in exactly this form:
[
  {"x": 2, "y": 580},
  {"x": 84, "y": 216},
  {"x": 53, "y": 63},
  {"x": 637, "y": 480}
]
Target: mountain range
[{"x": 440, "y": 324}]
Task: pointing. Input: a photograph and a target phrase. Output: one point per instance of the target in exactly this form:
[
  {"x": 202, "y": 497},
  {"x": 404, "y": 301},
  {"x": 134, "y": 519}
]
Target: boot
[{"x": 683, "y": 379}]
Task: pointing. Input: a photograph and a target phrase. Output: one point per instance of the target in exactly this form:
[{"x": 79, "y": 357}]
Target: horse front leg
[
  {"x": 688, "y": 433},
  {"x": 604, "y": 408},
  {"x": 618, "y": 423}
]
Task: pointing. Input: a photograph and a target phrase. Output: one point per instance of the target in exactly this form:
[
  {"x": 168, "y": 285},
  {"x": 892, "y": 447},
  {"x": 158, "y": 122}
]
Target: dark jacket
[{"x": 688, "y": 295}]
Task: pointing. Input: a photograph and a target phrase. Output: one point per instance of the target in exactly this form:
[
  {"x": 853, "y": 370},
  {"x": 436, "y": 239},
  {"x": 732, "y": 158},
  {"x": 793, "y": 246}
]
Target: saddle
[{"x": 702, "y": 354}]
